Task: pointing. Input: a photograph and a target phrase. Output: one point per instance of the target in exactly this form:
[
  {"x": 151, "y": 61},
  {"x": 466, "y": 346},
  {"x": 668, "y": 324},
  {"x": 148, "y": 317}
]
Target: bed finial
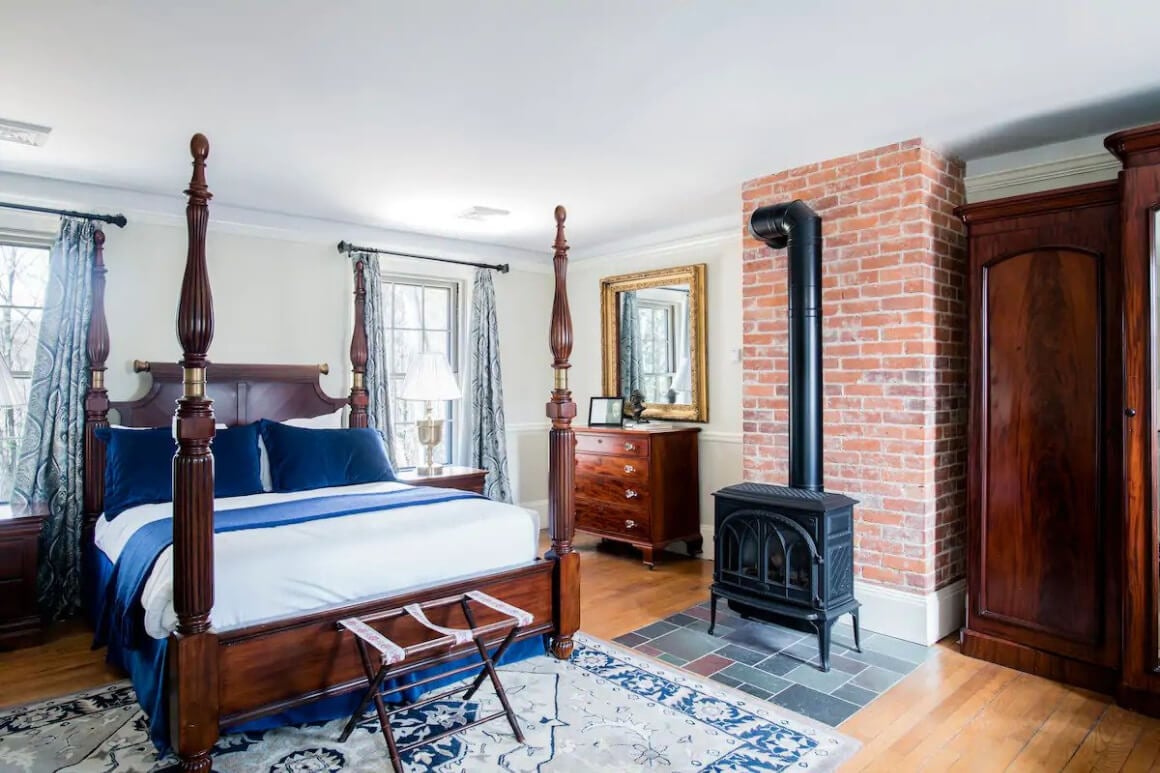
[{"x": 562, "y": 459}]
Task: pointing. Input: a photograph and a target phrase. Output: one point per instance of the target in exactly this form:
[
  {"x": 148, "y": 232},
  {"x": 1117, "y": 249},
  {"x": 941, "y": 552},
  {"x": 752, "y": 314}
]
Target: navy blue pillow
[
  {"x": 139, "y": 465},
  {"x": 302, "y": 459},
  {"x": 237, "y": 462}
]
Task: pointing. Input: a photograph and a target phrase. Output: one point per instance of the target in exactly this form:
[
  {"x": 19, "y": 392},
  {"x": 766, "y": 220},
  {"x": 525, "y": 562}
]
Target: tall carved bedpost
[
  {"x": 193, "y": 649},
  {"x": 562, "y": 460},
  {"x": 359, "y": 397},
  {"x": 97, "y": 397}
]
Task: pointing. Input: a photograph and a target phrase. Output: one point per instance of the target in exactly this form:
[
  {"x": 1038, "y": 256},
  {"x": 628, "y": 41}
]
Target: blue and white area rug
[{"x": 606, "y": 709}]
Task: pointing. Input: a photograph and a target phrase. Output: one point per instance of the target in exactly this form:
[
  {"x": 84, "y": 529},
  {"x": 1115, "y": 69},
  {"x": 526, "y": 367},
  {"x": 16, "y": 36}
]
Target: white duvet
[{"x": 263, "y": 574}]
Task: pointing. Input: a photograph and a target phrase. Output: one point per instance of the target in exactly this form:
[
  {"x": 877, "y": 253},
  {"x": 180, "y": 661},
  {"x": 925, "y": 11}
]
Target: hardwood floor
[{"x": 952, "y": 714}]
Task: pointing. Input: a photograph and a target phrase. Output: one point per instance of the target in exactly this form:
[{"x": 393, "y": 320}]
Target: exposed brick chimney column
[{"x": 895, "y": 366}]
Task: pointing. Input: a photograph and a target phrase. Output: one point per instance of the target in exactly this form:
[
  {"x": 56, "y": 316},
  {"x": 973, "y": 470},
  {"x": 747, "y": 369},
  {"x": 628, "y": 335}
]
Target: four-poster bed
[{"x": 218, "y": 679}]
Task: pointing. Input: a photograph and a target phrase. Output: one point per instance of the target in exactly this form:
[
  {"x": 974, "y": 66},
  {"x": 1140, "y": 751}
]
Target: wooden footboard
[{"x": 269, "y": 668}]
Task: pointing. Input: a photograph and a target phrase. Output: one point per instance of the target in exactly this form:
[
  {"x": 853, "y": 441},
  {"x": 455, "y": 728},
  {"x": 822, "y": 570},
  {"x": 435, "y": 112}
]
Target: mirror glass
[
  {"x": 654, "y": 341},
  {"x": 654, "y": 344}
]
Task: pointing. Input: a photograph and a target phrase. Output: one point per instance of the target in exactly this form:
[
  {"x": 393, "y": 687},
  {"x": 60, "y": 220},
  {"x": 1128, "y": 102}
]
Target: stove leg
[
  {"x": 823, "y": 628},
  {"x": 712, "y": 612},
  {"x": 857, "y": 632}
]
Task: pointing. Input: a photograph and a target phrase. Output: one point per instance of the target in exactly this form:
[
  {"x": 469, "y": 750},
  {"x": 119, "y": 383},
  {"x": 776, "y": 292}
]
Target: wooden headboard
[{"x": 241, "y": 393}]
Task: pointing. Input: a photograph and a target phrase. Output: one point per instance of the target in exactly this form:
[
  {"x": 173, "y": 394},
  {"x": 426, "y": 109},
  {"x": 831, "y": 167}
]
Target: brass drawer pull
[
  {"x": 631, "y": 494},
  {"x": 630, "y": 524},
  {"x": 629, "y": 446},
  {"x": 629, "y": 468}
]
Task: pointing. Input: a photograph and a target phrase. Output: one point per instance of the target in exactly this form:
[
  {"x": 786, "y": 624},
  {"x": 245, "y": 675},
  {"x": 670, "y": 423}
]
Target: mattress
[{"x": 270, "y": 573}]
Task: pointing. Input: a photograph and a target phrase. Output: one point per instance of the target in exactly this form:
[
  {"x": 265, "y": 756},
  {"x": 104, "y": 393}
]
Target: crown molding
[
  {"x": 1089, "y": 167},
  {"x": 158, "y": 209},
  {"x": 699, "y": 234}
]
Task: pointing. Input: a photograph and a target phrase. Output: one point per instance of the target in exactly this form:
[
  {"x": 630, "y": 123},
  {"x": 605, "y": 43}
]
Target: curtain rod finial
[
  {"x": 503, "y": 268},
  {"x": 343, "y": 247}
]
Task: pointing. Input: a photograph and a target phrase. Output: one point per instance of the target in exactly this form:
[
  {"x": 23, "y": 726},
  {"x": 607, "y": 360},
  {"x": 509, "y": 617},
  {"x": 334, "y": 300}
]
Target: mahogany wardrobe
[{"x": 1062, "y": 577}]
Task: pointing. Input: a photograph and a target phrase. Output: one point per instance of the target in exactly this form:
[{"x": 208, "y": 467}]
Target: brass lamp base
[{"x": 430, "y": 435}]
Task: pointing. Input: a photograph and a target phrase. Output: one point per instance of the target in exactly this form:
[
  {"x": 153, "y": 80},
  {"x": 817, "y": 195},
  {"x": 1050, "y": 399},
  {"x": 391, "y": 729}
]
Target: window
[
  {"x": 23, "y": 277},
  {"x": 421, "y": 315},
  {"x": 657, "y": 321}
]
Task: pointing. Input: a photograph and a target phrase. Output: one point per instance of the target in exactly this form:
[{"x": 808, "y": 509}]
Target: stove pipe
[{"x": 796, "y": 226}]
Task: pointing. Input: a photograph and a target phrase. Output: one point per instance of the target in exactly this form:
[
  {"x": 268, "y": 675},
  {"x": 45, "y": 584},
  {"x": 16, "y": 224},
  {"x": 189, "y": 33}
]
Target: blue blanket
[{"x": 123, "y": 621}]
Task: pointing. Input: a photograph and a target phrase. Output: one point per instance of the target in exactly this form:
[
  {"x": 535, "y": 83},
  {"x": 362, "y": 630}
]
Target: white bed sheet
[{"x": 263, "y": 574}]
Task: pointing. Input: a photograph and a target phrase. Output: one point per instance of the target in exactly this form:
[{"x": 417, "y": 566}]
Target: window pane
[
  {"x": 437, "y": 342},
  {"x": 405, "y": 344},
  {"x": 408, "y": 306},
  {"x": 437, "y": 308},
  {"x": 23, "y": 275},
  {"x": 19, "y": 329}
]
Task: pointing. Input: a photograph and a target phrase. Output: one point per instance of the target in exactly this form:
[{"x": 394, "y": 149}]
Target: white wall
[
  {"x": 288, "y": 300},
  {"x": 720, "y": 437}
]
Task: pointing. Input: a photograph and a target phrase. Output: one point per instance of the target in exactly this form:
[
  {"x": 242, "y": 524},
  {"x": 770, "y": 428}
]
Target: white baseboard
[{"x": 923, "y": 618}]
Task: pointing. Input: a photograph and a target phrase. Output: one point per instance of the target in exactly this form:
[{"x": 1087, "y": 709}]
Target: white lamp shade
[
  {"x": 9, "y": 392},
  {"x": 682, "y": 381},
  {"x": 429, "y": 377}
]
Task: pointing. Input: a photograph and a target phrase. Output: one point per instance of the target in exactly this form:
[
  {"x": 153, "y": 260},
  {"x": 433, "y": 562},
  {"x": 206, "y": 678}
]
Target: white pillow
[{"x": 326, "y": 421}]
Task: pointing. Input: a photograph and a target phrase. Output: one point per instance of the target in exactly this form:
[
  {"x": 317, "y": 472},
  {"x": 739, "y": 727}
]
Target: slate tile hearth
[{"x": 780, "y": 664}]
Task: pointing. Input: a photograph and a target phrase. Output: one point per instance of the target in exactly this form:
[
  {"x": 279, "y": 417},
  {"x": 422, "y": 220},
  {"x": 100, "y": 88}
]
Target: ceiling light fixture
[
  {"x": 481, "y": 214},
  {"x": 23, "y": 133}
]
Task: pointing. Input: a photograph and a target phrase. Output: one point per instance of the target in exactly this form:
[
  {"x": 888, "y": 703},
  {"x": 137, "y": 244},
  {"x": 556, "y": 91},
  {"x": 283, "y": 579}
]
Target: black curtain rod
[
  {"x": 117, "y": 220},
  {"x": 347, "y": 248}
]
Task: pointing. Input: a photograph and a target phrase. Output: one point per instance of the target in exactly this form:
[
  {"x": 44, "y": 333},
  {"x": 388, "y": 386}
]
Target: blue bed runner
[{"x": 117, "y": 590}]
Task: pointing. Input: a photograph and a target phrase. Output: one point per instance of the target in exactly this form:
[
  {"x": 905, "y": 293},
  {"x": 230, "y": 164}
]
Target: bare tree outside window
[{"x": 23, "y": 278}]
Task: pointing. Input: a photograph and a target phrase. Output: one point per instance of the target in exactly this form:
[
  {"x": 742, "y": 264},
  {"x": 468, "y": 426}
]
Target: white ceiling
[{"x": 639, "y": 115}]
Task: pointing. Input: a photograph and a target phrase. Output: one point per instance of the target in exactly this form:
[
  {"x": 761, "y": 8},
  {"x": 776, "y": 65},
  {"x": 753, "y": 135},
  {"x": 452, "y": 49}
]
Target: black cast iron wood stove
[{"x": 787, "y": 552}]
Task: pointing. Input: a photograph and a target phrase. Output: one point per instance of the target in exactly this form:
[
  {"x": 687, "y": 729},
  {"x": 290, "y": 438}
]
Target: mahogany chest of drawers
[{"x": 639, "y": 486}]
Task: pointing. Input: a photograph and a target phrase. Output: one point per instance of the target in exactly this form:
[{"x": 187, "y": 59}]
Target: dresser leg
[
  {"x": 647, "y": 557},
  {"x": 695, "y": 546}
]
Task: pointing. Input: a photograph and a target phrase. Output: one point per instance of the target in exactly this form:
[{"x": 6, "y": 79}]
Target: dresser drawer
[
  {"x": 628, "y": 469},
  {"x": 617, "y": 445},
  {"x": 604, "y": 518},
  {"x": 613, "y": 490},
  {"x": 12, "y": 557}
]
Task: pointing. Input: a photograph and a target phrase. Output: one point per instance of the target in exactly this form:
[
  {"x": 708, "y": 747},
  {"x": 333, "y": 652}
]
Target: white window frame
[{"x": 452, "y": 440}]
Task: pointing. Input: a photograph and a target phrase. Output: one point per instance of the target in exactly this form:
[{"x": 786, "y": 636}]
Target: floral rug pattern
[{"x": 606, "y": 709}]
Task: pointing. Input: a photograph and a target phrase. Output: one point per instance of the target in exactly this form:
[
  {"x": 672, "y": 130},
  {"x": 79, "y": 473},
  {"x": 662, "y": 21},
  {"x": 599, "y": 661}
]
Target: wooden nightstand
[
  {"x": 451, "y": 476},
  {"x": 20, "y": 623}
]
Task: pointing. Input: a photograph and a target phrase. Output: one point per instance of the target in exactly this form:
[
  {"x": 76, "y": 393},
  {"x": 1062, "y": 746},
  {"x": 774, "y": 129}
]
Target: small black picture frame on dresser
[{"x": 606, "y": 412}]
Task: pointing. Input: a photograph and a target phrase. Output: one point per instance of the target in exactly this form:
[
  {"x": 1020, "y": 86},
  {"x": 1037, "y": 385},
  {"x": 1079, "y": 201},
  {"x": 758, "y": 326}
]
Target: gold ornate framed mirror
[{"x": 653, "y": 327}]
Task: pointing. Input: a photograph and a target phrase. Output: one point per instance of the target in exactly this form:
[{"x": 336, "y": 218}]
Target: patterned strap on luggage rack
[
  {"x": 521, "y": 617},
  {"x": 392, "y": 653},
  {"x": 458, "y": 635}
]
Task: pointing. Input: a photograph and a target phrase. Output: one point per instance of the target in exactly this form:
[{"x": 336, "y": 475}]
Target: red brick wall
[{"x": 894, "y": 348}]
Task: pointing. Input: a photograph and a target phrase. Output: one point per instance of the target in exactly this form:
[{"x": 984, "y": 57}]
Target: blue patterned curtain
[
  {"x": 488, "y": 436},
  {"x": 630, "y": 347},
  {"x": 49, "y": 469},
  {"x": 378, "y": 367}
]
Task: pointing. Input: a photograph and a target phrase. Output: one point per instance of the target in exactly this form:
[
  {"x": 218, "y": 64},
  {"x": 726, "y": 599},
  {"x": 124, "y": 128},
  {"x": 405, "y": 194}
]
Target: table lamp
[{"x": 429, "y": 378}]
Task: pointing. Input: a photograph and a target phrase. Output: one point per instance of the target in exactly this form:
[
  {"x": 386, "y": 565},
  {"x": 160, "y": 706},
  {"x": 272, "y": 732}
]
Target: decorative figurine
[{"x": 636, "y": 405}]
